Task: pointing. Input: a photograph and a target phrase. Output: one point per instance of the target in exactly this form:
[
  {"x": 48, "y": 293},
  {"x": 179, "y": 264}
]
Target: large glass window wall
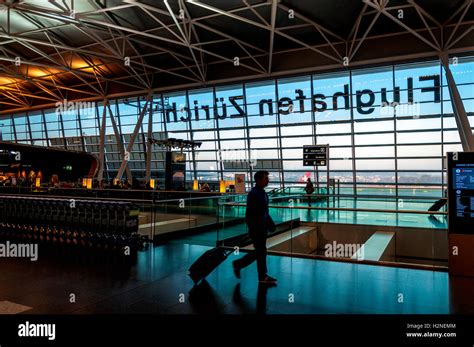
[{"x": 388, "y": 128}]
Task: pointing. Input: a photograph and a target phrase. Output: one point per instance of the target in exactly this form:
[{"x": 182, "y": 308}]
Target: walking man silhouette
[{"x": 259, "y": 225}]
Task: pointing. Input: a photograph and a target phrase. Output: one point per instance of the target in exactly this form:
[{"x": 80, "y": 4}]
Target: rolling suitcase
[{"x": 207, "y": 262}]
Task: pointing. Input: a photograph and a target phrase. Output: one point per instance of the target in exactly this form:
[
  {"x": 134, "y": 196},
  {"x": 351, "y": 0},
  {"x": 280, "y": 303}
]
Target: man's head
[{"x": 261, "y": 178}]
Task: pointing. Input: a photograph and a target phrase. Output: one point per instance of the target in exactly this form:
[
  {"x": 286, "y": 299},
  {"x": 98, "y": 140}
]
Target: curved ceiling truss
[{"x": 91, "y": 49}]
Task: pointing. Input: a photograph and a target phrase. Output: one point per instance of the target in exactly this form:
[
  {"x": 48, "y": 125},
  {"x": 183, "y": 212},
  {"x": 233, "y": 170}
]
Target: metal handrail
[
  {"x": 113, "y": 199},
  {"x": 116, "y": 190},
  {"x": 198, "y": 198},
  {"x": 407, "y": 197},
  {"x": 274, "y": 191},
  {"x": 347, "y": 209},
  {"x": 76, "y": 197},
  {"x": 214, "y": 196}
]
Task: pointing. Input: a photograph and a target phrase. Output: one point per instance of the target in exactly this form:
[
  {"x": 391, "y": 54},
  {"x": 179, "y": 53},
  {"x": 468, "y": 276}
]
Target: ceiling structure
[{"x": 90, "y": 49}]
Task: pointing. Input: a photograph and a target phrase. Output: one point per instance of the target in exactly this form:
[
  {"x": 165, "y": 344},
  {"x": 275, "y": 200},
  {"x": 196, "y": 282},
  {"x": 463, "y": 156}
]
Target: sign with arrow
[{"x": 317, "y": 155}]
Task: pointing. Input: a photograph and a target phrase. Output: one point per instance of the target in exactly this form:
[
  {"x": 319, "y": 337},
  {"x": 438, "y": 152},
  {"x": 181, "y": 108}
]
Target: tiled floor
[
  {"x": 7, "y": 307},
  {"x": 158, "y": 283}
]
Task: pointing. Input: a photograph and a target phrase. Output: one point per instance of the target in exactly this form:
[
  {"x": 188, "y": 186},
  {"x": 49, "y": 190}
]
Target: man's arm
[{"x": 270, "y": 224}]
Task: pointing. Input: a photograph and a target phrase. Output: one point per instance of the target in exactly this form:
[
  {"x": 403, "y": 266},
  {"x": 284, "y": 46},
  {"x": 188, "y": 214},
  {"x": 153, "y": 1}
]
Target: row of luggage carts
[{"x": 108, "y": 226}]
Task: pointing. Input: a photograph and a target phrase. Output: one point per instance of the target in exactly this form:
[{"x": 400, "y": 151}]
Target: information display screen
[
  {"x": 464, "y": 187},
  {"x": 461, "y": 192}
]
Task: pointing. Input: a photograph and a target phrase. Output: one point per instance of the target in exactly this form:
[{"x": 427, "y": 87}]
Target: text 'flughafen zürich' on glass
[{"x": 364, "y": 99}]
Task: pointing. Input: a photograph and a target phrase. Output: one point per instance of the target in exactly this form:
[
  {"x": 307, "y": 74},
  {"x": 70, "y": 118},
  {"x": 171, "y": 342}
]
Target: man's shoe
[
  {"x": 267, "y": 280},
  {"x": 266, "y": 285},
  {"x": 236, "y": 270}
]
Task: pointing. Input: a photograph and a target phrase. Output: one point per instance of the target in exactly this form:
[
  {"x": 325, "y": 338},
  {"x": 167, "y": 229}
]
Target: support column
[
  {"x": 100, "y": 175},
  {"x": 119, "y": 143},
  {"x": 149, "y": 145},
  {"x": 462, "y": 122},
  {"x": 132, "y": 139}
]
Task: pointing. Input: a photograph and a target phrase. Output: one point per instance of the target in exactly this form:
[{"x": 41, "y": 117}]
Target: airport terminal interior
[{"x": 131, "y": 133}]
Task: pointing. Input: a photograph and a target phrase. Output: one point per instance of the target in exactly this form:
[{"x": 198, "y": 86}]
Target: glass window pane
[
  {"x": 420, "y": 137},
  {"x": 333, "y": 128},
  {"x": 417, "y": 164},
  {"x": 372, "y": 139},
  {"x": 331, "y": 99},
  {"x": 375, "y": 164},
  {"x": 361, "y": 127},
  {"x": 375, "y": 152},
  {"x": 419, "y": 151}
]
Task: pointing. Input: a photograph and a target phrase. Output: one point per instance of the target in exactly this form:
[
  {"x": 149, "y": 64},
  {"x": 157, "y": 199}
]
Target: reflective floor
[{"x": 158, "y": 283}]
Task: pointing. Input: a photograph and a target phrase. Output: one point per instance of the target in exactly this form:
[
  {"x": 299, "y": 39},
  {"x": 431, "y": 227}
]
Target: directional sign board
[{"x": 315, "y": 155}]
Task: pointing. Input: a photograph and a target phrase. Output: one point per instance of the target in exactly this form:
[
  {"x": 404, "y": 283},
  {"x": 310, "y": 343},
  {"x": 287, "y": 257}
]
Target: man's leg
[
  {"x": 259, "y": 253},
  {"x": 246, "y": 260},
  {"x": 260, "y": 245}
]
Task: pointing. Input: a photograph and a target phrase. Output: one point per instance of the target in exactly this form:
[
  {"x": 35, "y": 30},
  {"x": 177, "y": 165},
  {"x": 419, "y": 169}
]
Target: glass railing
[
  {"x": 128, "y": 194},
  {"x": 372, "y": 230},
  {"x": 361, "y": 190},
  {"x": 186, "y": 219},
  {"x": 163, "y": 215},
  {"x": 151, "y": 194},
  {"x": 397, "y": 230}
]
